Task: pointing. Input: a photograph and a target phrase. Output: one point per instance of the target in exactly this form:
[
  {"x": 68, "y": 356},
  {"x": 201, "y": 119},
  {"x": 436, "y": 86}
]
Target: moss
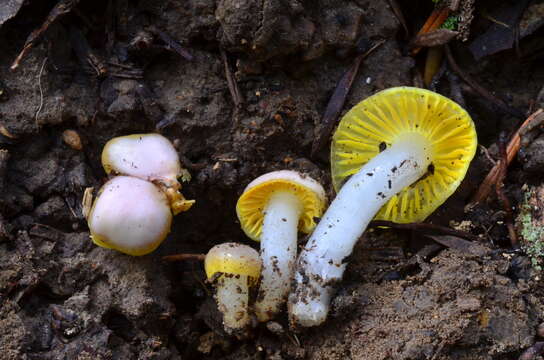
[
  {"x": 451, "y": 23},
  {"x": 531, "y": 233}
]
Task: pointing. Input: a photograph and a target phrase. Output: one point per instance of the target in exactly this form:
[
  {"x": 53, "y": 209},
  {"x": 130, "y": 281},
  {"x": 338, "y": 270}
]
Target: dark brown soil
[{"x": 61, "y": 297}]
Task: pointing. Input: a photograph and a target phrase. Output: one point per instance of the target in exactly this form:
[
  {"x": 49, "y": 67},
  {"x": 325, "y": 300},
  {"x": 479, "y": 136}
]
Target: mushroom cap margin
[{"x": 233, "y": 259}]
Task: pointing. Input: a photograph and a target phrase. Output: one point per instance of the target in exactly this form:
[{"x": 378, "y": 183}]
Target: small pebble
[
  {"x": 275, "y": 328},
  {"x": 72, "y": 139}
]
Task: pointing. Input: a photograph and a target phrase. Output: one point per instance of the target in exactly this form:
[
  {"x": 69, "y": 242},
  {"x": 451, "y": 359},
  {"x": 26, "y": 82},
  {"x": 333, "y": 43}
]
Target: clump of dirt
[{"x": 63, "y": 297}]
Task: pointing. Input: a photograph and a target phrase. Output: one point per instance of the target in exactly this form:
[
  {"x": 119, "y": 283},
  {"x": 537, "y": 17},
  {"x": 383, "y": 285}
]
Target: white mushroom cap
[
  {"x": 146, "y": 156},
  {"x": 130, "y": 215}
]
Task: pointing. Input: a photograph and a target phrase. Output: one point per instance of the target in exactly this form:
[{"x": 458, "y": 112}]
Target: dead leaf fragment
[{"x": 434, "y": 38}]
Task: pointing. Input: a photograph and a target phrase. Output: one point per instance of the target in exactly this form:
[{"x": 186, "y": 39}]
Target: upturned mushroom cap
[
  {"x": 251, "y": 205},
  {"x": 146, "y": 156},
  {"x": 233, "y": 259},
  {"x": 130, "y": 215},
  {"x": 378, "y": 121}
]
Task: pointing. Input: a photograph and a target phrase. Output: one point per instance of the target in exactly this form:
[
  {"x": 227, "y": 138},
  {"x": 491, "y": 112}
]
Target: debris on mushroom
[
  {"x": 396, "y": 156},
  {"x": 150, "y": 157},
  {"x": 130, "y": 215},
  {"x": 271, "y": 210},
  {"x": 233, "y": 268},
  {"x": 133, "y": 211}
]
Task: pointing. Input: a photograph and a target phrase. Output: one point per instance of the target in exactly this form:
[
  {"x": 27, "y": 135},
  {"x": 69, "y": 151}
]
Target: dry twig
[
  {"x": 231, "y": 82},
  {"x": 399, "y": 15},
  {"x": 184, "y": 257},
  {"x": 425, "y": 227},
  {"x": 337, "y": 100},
  {"x": 62, "y": 8},
  {"x": 499, "y": 189},
  {"x": 434, "y": 21},
  {"x": 172, "y": 44},
  {"x": 501, "y": 104},
  {"x": 511, "y": 151}
]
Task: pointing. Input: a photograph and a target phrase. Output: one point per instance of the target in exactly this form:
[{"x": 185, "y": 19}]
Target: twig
[
  {"x": 41, "y": 92},
  {"x": 184, "y": 257},
  {"x": 501, "y": 104},
  {"x": 499, "y": 189},
  {"x": 434, "y": 21},
  {"x": 86, "y": 55},
  {"x": 338, "y": 99},
  {"x": 486, "y": 154},
  {"x": 63, "y": 7},
  {"x": 172, "y": 44},
  {"x": 511, "y": 151},
  {"x": 231, "y": 82},
  {"x": 455, "y": 88},
  {"x": 399, "y": 15},
  {"x": 425, "y": 227}
]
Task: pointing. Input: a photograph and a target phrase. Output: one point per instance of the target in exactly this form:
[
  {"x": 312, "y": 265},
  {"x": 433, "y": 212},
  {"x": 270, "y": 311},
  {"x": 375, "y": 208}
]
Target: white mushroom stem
[
  {"x": 278, "y": 252},
  {"x": 323, "y": 261},
  {"x": 232, "y": 298}
]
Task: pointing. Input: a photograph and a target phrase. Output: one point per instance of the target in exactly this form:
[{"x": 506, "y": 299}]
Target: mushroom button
[
  {"x": 150, "y": 157},
  {"x": 233, "y": 268},
  {"x": 397, "y": 156},
  {"x": 130, "y": 215},
  {"x": 133, "y": 212},
  {"x": 271, "y": 210}
]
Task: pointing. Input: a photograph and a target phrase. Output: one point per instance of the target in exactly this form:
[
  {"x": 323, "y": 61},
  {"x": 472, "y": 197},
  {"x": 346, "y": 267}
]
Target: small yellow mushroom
[
  {"x": 272, "y": 209},
  {"x": 233, "y": 268}
]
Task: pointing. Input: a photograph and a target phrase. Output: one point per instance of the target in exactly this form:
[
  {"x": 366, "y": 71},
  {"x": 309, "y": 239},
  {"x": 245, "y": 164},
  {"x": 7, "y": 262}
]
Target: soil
[{"x": 403, "y": 297}]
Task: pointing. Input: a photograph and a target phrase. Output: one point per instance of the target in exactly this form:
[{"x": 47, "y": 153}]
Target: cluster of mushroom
[
  {"x": 397, "y": 156},
  {"x": 133, "y": 210}
]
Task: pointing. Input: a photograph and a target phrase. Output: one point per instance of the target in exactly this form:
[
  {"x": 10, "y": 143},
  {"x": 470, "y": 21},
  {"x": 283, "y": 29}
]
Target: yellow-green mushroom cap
[
  {"x": 379, "y": 120},
  {"x": 250, "y": 206},
  {"x": 233, "y": 259}
]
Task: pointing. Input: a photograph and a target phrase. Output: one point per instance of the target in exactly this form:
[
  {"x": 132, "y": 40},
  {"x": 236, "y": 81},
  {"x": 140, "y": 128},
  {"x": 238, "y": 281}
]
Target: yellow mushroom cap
[
  {"x": 251, "y": 205},
  {"x": 233, "y": 259},
  {"x": 378, "y": 121}
]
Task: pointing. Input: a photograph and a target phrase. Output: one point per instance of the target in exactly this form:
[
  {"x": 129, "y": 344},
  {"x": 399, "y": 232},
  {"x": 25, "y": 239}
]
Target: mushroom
[
  {"x": 150, "y": 157},
  {"x": 233, "y": 268},
  {"x": 397, "y": 156},
  {"x": 271, "y": 210},
  {"x": 130, "y": 215},
  {"x": 133, "y": 212}
]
